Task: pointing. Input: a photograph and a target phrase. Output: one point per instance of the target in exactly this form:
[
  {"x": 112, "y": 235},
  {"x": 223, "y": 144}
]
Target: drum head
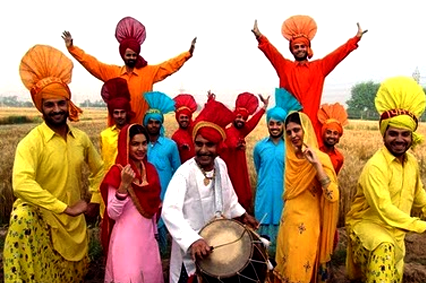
[{"x": 232, "y": 248}]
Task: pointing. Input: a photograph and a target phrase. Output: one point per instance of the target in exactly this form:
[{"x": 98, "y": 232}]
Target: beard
[
  {"x": 130, "y": 63},
  {"x": 53, "y": 121}
]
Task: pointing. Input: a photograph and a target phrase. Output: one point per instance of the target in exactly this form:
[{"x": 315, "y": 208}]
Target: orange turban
[
  {"x": 300, "y": 29},
  {"x": 46, "y": 72},
  {"x": 332, "y": 117}
]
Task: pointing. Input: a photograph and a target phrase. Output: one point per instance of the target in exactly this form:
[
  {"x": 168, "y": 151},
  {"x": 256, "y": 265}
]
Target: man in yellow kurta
[
  {"x": 388, "y": 189},
  {"x": 115, "y": 93},
  {"x": 139, "y": 75},
  {"x": 47, "y": 238}
]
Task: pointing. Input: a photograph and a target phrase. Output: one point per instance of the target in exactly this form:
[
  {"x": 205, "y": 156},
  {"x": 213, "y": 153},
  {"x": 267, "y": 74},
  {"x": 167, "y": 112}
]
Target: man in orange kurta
[
  {"x": 234, "y": 153},
  {"x": 139, "y": 80},
  {"x": 302, "y": 78}
]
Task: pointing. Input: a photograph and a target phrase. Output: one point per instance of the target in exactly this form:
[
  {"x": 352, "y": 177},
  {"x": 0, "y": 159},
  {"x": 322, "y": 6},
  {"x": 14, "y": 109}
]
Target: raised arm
[
  {"x": 330, "y": 61},
  {"x": 98, "y": 69},
  {"x": 173, "y": 65}
]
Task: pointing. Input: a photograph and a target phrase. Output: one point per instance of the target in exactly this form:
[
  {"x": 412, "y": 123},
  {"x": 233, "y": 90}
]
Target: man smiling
[{"x": 388, "y": 189}]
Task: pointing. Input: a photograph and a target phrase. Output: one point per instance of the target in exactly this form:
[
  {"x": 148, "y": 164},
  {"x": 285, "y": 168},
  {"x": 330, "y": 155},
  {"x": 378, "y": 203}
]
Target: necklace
[{"x": 207, "y": 179}]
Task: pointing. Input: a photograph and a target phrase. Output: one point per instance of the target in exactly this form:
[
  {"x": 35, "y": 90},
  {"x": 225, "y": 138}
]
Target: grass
[{"x": 360, "y": 141}]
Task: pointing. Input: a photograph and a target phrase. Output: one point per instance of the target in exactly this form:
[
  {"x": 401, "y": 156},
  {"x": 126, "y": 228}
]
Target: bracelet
[
  {"x": 325, "y": 181},
  {"x": 120, "y": 196}
]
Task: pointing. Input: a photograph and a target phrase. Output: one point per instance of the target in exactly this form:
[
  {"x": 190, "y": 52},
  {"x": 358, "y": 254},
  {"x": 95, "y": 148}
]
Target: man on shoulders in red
[
  {"x": 302, "y": 78},
  {"x": 185, "y": 106},
  {"x": 234, "y": 154},
  {"x": 332, "y": 117}
]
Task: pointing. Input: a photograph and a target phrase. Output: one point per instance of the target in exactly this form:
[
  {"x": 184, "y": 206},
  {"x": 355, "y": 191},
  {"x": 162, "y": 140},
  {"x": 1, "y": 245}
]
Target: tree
[{"x": 361, "y": 104}]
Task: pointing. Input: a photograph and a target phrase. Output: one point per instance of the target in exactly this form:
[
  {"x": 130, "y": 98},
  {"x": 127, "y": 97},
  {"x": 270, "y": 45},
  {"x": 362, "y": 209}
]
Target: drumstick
[{"x": 261, "y": 220}]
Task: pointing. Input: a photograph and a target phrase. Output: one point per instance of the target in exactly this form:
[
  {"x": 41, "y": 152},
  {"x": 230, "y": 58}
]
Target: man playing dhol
[{"x": 189, "y": 202}]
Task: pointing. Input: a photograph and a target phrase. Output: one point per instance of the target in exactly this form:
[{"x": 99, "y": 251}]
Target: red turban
[
  {"x": 131, "y": 33},
  {"x": 185, "y": 104},
  {"x": 116, "y": 95},
  {"x": 212, "y": 120},
  {"x": 246, "y": 104}
]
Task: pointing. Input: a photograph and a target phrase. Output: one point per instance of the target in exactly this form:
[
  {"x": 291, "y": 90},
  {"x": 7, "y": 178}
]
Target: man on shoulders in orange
[
  {"x": 185, "y": 106},
  {"x": 302, "y": 78},
  {"x": 234, "y": 153},
  {"x": 333, "y": 118},
  {"x": 140, "y": 76}
]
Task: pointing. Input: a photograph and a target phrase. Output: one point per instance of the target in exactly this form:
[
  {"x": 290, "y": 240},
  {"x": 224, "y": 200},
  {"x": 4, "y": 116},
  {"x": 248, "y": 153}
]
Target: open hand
[{"x": 66, "y": 36}]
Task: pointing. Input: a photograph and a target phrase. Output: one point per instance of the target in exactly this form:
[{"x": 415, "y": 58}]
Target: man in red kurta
[
  {"x": 332, "y": 117},
  {"x": 234, "y": 153},
  {"x": 185, "y": 106},
  {"x": 302, "y": 78},
  {"x": 139, "y": 75}
]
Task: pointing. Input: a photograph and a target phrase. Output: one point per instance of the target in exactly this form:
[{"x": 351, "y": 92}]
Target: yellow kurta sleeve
[
  {"x": 376, "y": 191},
  {"x": 25, "y": 187},
  {"x": 98, "y": 69},
  {"x": 171, "y": 66},
  {"x": 96, "y": 167},
  {"x": 420, "y": 196}
]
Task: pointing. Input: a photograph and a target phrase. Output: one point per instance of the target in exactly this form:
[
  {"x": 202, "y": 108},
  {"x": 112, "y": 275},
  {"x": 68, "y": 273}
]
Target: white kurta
[{"x": 189, "y": 205}]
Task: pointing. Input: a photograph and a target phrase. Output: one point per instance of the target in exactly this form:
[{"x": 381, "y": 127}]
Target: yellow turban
[
  {"x": 400, "y": 102},
  {"x": 46, "y": 72}
]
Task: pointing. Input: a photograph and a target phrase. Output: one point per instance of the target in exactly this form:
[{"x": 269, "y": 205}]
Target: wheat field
[{"x": 360, "y": 141}]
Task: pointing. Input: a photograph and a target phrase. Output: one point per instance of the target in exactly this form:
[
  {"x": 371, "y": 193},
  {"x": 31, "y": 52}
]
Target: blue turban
[
  {"x": 276, "y": 113},
  {"x": 159, "y": 104}
]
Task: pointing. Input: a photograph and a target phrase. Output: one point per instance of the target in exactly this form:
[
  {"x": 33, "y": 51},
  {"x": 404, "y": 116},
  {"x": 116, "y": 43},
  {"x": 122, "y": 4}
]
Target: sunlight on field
[{"x": 360, "y": 141}]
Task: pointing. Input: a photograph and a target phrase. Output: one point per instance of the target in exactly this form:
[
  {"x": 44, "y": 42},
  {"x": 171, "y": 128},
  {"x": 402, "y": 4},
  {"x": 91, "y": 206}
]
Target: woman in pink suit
[{"x": 131, "y": 191}]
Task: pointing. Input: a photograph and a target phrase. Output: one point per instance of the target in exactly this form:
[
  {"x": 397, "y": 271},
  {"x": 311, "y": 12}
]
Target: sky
[{"x": 226, "y": 60}]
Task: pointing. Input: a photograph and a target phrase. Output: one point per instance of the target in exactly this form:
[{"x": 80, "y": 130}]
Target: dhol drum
[{"x": 238, "y": 254}]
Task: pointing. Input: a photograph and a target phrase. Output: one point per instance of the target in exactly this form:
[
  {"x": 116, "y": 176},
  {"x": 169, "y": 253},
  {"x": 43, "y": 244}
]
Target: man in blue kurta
[
  {"x": 268, "y": 156},
  {"x": 163, "y": 152}
]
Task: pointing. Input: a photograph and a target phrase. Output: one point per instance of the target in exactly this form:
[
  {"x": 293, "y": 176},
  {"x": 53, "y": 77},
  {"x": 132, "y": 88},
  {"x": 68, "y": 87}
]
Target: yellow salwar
[
  {"x": 29, "y": 255},
  {"x": 309, "y": 219},
  {"x": 109, "y": 139},
  {"x": 380, "y": 212},
  {"x": 377, "y": 265}
]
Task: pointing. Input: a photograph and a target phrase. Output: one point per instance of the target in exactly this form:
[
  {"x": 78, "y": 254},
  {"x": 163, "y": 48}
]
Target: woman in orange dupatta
[
  {"x": 309, "y": 219},
  {"x": 131, "y": 192}
]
